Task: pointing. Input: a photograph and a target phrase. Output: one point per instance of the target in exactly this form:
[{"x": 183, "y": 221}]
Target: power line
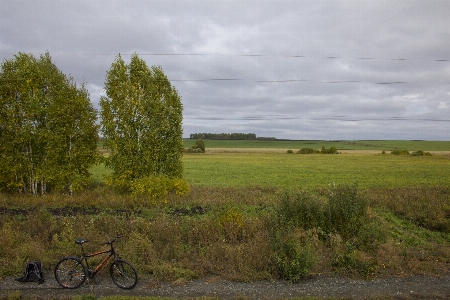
[
  {"x": 333, "y": 118},
  {"x": 254, "y": 80},
  {"x": 245, "y": 55}
]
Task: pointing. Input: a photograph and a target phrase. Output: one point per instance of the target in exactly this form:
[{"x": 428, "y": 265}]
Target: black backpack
[{"x": 33, "y": 273}]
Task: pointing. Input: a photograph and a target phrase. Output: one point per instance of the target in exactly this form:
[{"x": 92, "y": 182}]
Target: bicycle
[{"x": 70, "y": 271}]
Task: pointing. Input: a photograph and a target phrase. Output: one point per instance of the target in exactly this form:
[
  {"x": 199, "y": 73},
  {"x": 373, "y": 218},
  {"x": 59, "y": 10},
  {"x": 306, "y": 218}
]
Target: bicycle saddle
[{"x": 80, "y": 241}]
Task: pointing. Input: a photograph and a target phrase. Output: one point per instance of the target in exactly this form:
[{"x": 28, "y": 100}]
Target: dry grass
[{"x": 230, "y": 236}]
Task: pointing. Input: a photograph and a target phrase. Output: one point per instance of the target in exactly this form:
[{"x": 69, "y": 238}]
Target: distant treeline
[{"x": 224, "y": 136}]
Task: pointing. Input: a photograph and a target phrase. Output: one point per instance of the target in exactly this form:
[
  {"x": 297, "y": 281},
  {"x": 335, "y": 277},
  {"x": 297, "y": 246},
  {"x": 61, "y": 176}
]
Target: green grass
[
  {"x": 311, "y": 171},
  {"x": 282, "y": 170},
  {"x": 380, "y": 145}
]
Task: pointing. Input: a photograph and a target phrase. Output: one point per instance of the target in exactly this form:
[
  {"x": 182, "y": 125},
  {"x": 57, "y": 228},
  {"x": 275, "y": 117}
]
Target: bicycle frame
[
  {"x": 71, "y": 271},
  {"x": 84, "y": 257}
]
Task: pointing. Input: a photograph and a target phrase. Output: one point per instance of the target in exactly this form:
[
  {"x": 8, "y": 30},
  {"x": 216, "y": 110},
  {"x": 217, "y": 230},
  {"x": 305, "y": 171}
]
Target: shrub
[
  {"x": 157, "y": 187},
  {"x": 346, "y": 211},
  {"x": 294, "y": 253},
  {"x": 342, "y": 211},
  {"x": 199, "y": 147},
  {"x": 194, "y": 150},
  {"x": 421, "y": 153},
  {"x": 300, "y": 210},
  {"x": 307, "y": 151},
  {"x": 332, "y": 150},
  {"x": 290, "y": 151},
  {"x": 351, "y": 261},
  {"x": 400, "y": 152}
]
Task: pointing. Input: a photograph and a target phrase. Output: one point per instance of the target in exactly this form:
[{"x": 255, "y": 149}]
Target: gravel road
[{"x": 415, "y": 287}]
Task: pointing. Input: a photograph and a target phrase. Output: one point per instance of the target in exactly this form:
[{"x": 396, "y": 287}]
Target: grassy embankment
[{"x": 256, "y": 216}]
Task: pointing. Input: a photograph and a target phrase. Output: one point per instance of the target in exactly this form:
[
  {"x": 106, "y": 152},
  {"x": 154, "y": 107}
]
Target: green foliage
[
  {"x": 200, "y": 144},
  {"x": 199, "y": 147},
  {"x": 400, "y": 152},
  {"x": 332, "y": 150},
  {"x": 346, "y": 210},
  {"x": 47, "y": 127},
  {"x": 294, "y": 255},
  {"x": 307, "y": 151},
  {"x": 224, "y": 136},
  {"x": 157, "y": 187},
  {"x": 341, "y": 212},
  {"x": 421, "y": 153},
  {"x": 141, "y": 122},
  {"x": 351, "y": 261},
  {"x": 300, "y": 209}
]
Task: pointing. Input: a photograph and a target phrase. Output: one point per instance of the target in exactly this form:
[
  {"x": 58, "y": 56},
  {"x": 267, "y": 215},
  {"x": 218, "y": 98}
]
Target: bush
[
  {"x": 341, "y": 213},
  {"x": 346, "y": 211},
  {"x": 307, "y": 151},
  {"x": 301, "y": 210},
  {"x": 350, "y": 261},
  {"x": 294, "y": 259},
  {"x": 332, "y": 150},
  {"x": 400, "y": 152},
  {"x": 290, "y": 151},
  {"x": 421, "y": 153},
  {"x": 343, "y": 210},
  {"x": 193, "y": 150},
  {"x": 157, "y": 187},
  {"x": 199, "y": 147}
]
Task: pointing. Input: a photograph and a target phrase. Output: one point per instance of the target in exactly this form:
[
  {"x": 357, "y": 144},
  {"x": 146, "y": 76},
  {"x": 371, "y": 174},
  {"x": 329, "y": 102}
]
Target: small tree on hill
[{"x": 200, "y": 144}]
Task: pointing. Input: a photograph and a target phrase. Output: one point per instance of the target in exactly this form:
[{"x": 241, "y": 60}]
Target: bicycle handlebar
[{"x": 110, "y": 242}]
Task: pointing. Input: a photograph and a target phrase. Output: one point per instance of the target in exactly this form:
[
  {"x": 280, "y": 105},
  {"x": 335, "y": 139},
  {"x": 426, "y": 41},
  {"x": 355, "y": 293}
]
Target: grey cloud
[{"x": 291, "y": 69}]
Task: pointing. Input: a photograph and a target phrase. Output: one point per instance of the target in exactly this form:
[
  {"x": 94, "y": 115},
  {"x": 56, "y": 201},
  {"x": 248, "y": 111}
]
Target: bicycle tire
[
  {"x": 123, "y": 274},
  {"x": 70, "y": 273}
]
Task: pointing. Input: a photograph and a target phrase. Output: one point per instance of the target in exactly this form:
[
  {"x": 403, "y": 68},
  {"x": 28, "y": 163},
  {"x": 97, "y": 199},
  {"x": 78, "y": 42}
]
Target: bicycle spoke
[
  {"x": 123, "y": 274},
  {"x": 70, "y": 273}
]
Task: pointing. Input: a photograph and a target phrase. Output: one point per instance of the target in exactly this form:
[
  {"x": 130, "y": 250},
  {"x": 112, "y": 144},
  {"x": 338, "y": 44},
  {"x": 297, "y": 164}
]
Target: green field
[
  {"x": 386, "y": 145},
  {"x": 296, "y": 171}
]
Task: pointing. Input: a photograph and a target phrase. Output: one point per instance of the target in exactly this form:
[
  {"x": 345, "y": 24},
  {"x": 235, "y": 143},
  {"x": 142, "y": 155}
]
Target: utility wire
[
  {"x": 244, "y": 55},
  {"x": 333, "y": 118}
]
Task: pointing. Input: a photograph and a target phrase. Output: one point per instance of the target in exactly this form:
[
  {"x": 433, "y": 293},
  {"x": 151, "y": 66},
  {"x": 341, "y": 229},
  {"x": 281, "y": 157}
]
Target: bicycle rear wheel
[
  {"x": 70, "y": 272},
  {"x": 123, "y": 274}
]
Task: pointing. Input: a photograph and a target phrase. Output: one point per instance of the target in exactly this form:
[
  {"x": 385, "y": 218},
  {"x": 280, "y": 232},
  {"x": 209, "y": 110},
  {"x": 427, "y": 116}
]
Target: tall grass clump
[
  {"x": 341, "y": 209},
  {"x": 346, "y": 210},
  {"x": 339, "y": 217},
  {"x": 428, "y": 207}
]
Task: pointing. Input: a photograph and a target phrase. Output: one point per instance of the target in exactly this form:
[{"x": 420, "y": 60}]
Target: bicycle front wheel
[
  {"x": 70, "y": 272},
  {"x": 123, "y": 274}
]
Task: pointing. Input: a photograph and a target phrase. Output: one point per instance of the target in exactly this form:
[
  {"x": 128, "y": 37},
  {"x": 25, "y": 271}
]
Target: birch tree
[
  {"x": 141, "y": 122},
  {"x": 47, "y": 127}
]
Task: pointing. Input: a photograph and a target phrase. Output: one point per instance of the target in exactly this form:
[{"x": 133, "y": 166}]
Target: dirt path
[{"x": 416, "y": 287}]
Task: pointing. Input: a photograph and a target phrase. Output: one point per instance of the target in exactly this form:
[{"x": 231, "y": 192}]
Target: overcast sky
[{"x": 287, "y": 69}]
